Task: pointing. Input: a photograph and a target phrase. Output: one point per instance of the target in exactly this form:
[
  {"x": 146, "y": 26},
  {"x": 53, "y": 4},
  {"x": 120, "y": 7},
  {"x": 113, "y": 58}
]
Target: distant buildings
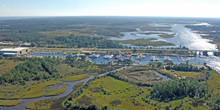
[
  {"x": 15, "y": 43},
  {"x": 87, "y": 52},
  {"x": 14, "y": 51},
  {"x": 6, "y": 43}
]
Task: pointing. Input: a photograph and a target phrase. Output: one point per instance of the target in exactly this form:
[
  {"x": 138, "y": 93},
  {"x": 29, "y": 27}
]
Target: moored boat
[
  {"x": 167, "y": 59},
  {"x": 94, "y": 55},
  {"x": 153, "y": 58},
  {"x": 108, "y": 56},
  {"x": 139, "y": 57}
]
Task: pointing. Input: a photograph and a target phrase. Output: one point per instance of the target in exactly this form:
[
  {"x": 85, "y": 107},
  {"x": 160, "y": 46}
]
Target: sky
[{"x": 172, "y": 8}]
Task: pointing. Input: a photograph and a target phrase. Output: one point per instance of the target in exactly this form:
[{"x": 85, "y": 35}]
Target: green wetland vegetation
[
  {"x": 115, "y": 92},
  {"x": 29, "y": 78},
  {"x": 87, "y": 32},
  {"x": 33, "y": 69},
  {"x": 175, "y": 89},
  {"x": 66, "y": 31},
  {"x": 135, "y": 88},
  {"x": 82, "y": 41},
  {"x": 10, "y": 102},
  {"x": 190, "y": 86}
]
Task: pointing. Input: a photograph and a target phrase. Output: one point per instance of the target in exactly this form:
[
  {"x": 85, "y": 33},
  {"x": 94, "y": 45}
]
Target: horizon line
[{"x": 115, "y": 16}]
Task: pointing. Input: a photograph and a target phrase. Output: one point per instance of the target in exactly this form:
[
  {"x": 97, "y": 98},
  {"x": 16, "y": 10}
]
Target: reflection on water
[
  {"x": 164, "y": 78},
  {"x": 184, "y": 37},
  {"x": 135, "y": 35},
  {"x": 211, "y": 60},
  {"x": 144, "y": 61},
  {"x": 191, "y": 40}
]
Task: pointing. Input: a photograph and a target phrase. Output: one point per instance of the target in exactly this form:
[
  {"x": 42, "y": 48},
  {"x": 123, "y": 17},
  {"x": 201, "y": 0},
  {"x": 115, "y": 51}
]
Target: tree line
[
  {"x": 184, "y": 67},
  {"x": 82, "y": 41},
  {"x": 176, "y": 89},
  {"x": 80, "y": 62},
  {"x": 32, "y": 69},
  {"x": 35, "y": 69}
]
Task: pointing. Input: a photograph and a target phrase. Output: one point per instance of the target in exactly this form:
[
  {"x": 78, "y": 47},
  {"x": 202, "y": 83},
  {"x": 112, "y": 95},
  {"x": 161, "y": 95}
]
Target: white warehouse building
[{"x": 14, "y": 51}]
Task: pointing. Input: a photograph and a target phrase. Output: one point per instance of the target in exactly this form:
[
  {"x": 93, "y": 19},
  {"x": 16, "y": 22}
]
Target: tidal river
[
  {"x": 193, "y": 41},
  {"x": 21, "y": 106},
  {"x": 70, "y": 85},
  {"x": 184, "y": 37}
]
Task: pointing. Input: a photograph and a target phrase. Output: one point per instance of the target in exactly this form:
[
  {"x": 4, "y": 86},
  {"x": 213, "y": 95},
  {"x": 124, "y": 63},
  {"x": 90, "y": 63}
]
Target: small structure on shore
[
  {"x": 117, "y": 56},
  {"x": 87, "y": 52}
]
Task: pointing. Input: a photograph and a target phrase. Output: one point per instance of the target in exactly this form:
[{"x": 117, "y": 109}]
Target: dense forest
[
  {"x": 36, "y": 69},
  {"x": 32, "y": 69},
  {"x": 214, "y": 104},
  {"x": 175, "y": 89}
]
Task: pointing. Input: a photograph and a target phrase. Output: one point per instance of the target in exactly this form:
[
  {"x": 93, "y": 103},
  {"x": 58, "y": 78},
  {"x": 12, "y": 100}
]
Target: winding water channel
[
  {"x": 164, "y": 78},
  {"x": 21, "y": 106},
  {"x": 70, "y": 86},
  {"x": 184, "y": 37}
]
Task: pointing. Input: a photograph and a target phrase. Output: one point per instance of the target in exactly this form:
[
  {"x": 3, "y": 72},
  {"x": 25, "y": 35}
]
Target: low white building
[{"x": 14, "y": 51}]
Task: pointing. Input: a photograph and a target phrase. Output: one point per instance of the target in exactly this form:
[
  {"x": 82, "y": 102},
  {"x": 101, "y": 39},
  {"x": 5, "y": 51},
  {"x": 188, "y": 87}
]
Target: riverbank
[
  {"x": 8, "y": 103},
  {"x": 22, "y": 105},
  {"x": 115, "y": 93},
  {"x": 153, "y": 42}
]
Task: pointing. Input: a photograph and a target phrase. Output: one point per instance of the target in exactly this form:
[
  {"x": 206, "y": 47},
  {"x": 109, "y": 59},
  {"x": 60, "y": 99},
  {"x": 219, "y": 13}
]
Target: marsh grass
[
  {"x": 6, "y": 65},
  {"x": 10, "y": 102}
]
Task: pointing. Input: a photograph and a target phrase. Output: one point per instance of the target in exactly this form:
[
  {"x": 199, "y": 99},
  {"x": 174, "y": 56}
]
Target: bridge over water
[{"x": 207, "y": 52}]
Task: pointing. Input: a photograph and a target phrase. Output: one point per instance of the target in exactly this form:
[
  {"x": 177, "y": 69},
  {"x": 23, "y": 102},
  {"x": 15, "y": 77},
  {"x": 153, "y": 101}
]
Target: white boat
[
  {"x": 78, "y": 54},
  {"x": 94, "y": 55},
  {"x": 153, "y": 58},
  {"x": 167, "y": 59},
  {"x": 140, "y": 57},
  {"x": 108, "y": 56}
]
